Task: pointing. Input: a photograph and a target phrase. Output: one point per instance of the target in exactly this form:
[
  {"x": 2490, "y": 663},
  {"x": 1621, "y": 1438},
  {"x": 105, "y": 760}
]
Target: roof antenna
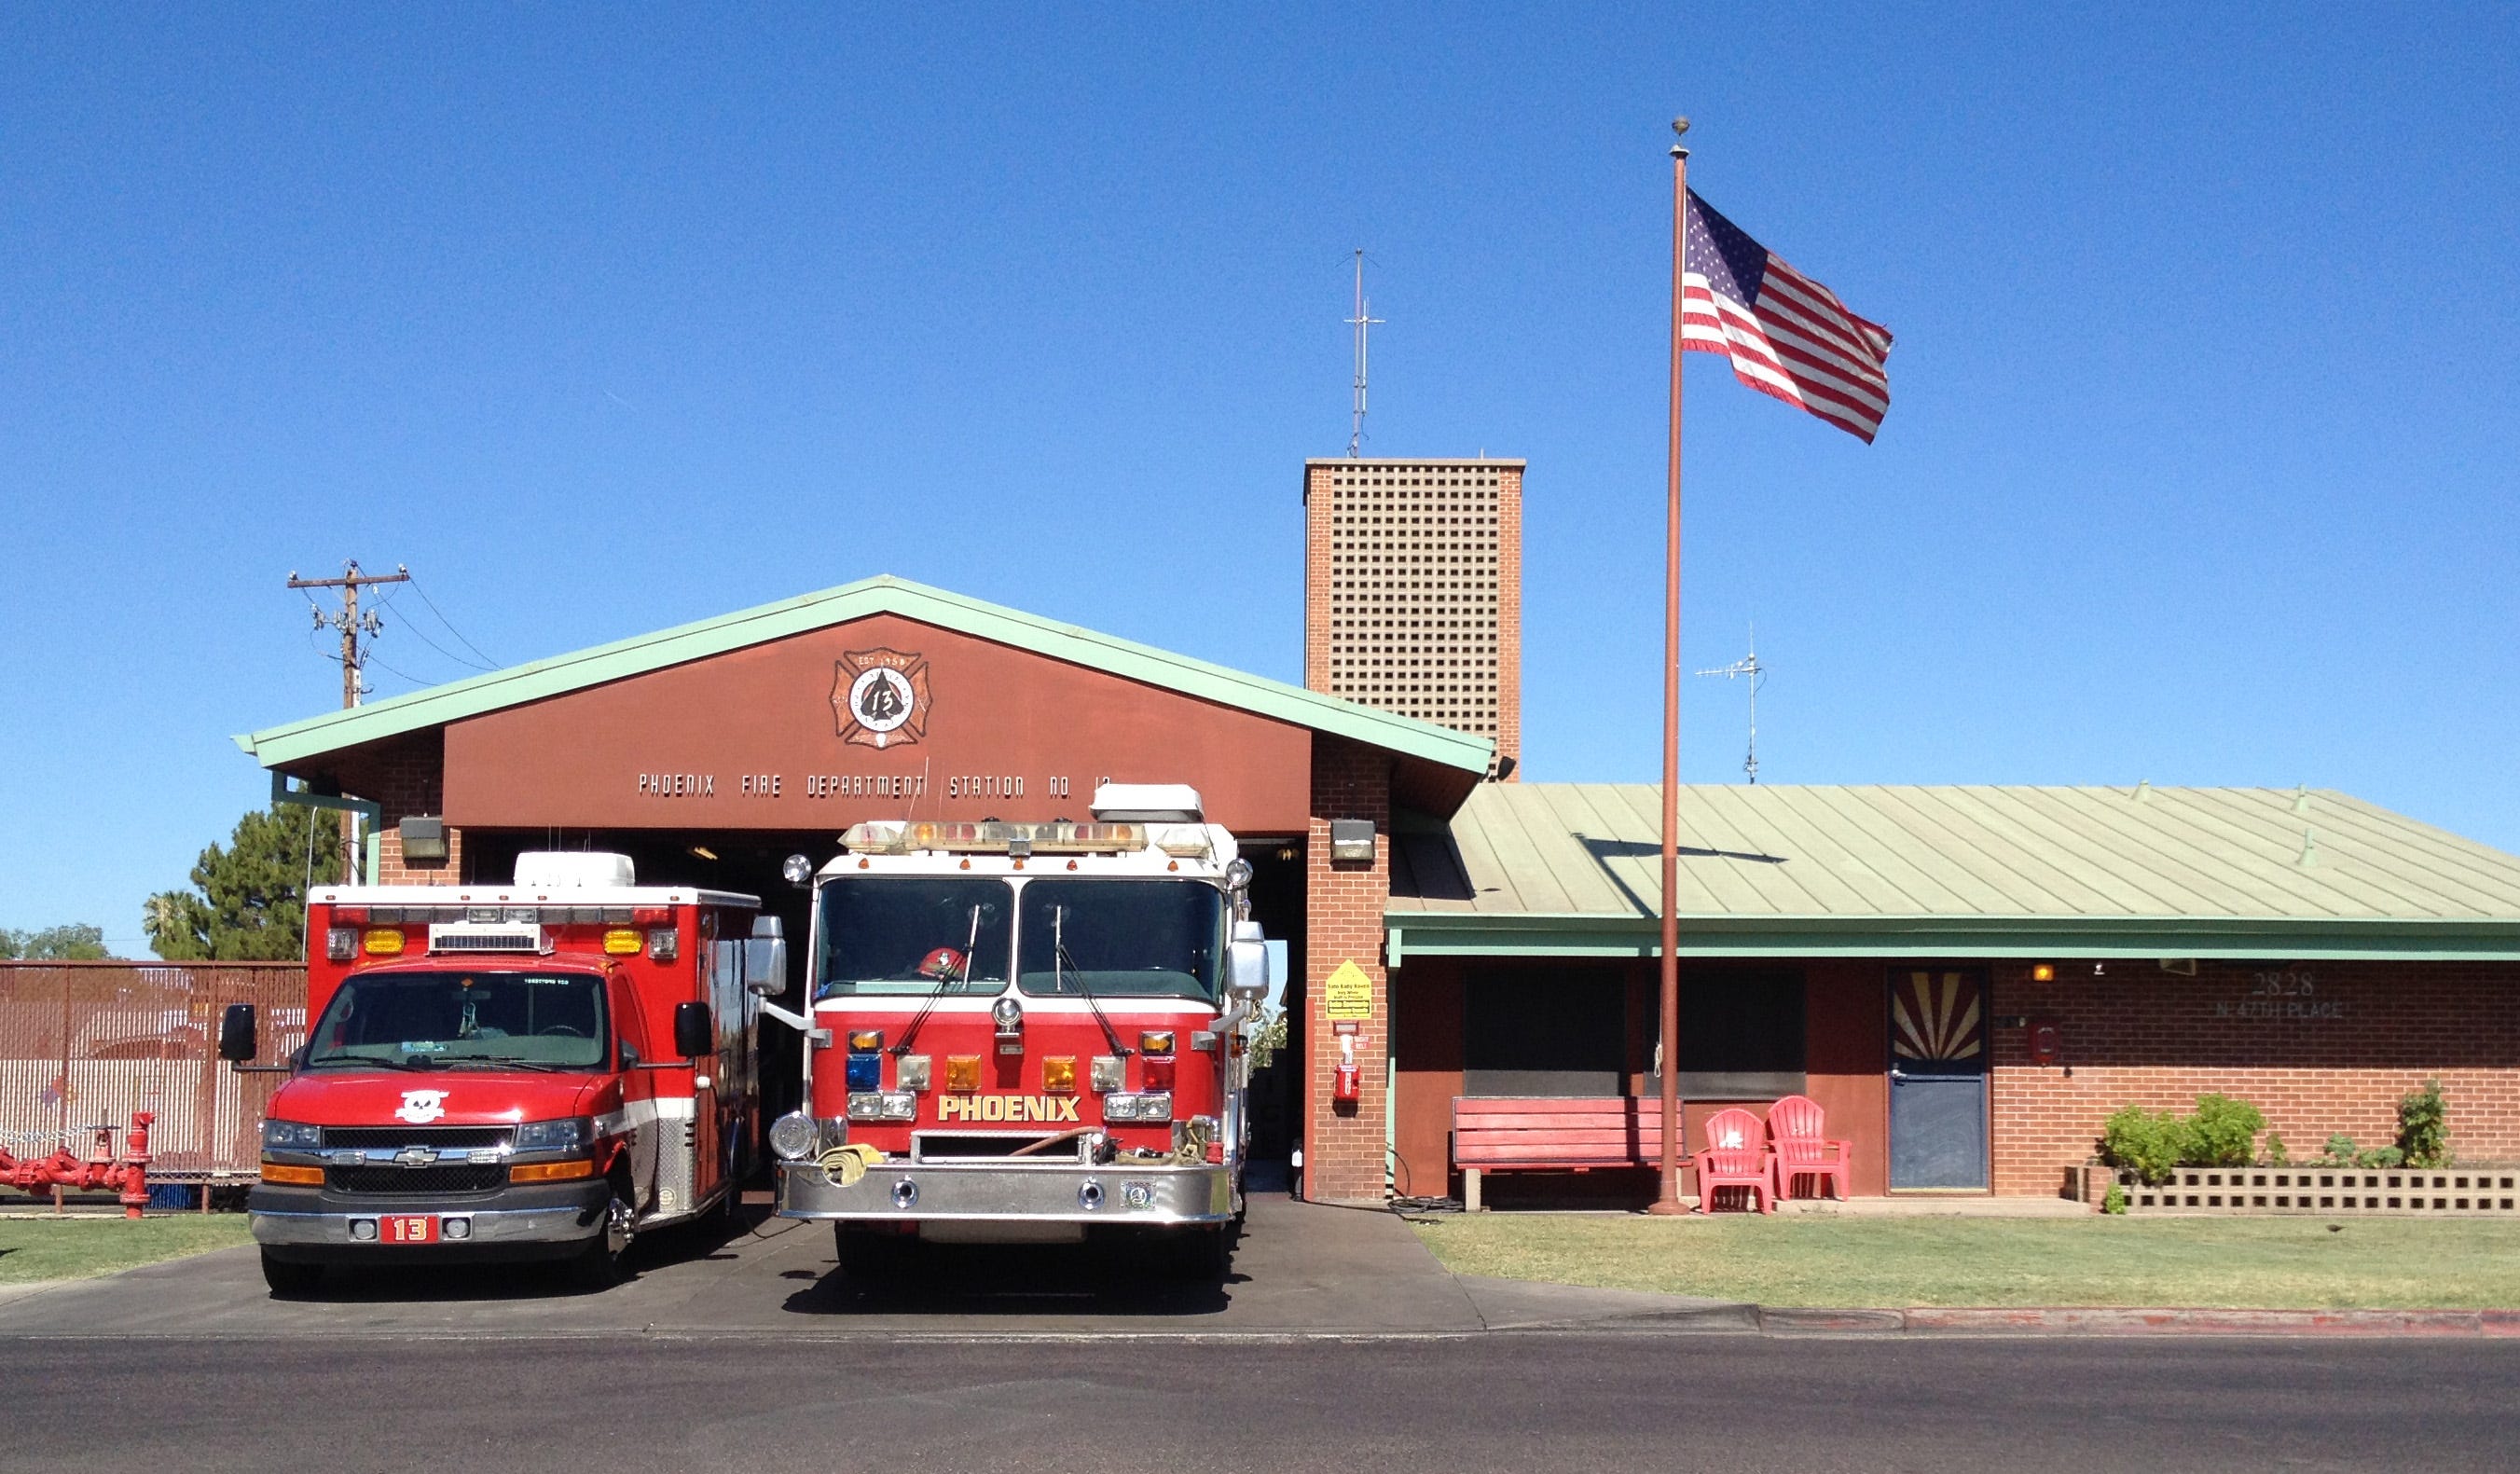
[
  {"x": 1748, "y": 665},
  {"x": 1361, "y": 322}
]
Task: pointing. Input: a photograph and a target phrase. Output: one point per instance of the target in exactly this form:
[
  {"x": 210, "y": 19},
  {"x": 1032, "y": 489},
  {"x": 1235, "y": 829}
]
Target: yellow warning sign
[{"x": 1349, "y": 993}]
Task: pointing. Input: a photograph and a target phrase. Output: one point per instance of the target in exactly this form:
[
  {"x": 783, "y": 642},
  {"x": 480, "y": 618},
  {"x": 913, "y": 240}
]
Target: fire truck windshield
[
  {"x": 912, "y": 936},
  {"x": 473, "y": 1019},
  {"x": 1121, "y": 938}
]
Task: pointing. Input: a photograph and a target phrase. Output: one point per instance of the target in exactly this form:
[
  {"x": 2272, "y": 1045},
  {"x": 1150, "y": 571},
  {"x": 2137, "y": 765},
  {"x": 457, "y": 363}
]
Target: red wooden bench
[{"x": 1552, "y": 1134}]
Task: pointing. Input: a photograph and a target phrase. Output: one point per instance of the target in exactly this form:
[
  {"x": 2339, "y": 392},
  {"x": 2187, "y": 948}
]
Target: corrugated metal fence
[{"x": 89, "y": 1043}]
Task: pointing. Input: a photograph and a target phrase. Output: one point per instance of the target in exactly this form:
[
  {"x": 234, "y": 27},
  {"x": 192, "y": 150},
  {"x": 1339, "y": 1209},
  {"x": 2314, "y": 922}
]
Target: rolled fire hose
[{"x": 847, "y": 1163}]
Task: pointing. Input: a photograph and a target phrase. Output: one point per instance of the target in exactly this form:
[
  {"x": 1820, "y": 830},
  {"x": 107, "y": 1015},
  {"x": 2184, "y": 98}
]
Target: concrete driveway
[{"x": 1301, "y": 1270}]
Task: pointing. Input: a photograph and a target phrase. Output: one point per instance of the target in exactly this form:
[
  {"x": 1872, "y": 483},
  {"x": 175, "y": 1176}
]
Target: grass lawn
[
  {"x": 2219, "y": 1263},
  {"x": 74, "y": 1248}
]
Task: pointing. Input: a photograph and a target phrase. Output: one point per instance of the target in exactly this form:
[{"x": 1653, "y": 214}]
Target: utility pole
[{"x": 352, "y": 624}]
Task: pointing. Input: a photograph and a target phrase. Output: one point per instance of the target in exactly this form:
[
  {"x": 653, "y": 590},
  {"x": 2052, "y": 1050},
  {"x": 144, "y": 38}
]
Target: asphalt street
[
  {"x": 1480, "y": 1402},
  {"x": 1336, "y": 1344}
]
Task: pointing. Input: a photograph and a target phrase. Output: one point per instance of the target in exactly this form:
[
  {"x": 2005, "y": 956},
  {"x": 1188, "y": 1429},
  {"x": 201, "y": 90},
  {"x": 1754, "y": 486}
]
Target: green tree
[
  {"x": 70, "y": 942},
  {"x": 248, "y": 898}
]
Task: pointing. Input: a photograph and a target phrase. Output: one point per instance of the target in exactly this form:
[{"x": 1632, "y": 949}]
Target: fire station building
[{"x": 1967, "y": 979}]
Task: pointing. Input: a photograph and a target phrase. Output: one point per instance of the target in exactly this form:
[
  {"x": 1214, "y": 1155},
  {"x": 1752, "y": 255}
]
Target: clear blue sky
[{"x": 2199, "y": 466}]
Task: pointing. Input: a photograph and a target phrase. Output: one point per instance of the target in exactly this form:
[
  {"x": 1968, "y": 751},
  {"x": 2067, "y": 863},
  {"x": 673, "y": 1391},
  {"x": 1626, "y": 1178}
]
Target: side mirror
[
  {"x": 1246, "y": 970},
  {"x": 238, "y": 1042},
  {"x": 694, "y": 1033},
  {"x": 629, "y": 1056},
  {"x": 765, "y": 959}
]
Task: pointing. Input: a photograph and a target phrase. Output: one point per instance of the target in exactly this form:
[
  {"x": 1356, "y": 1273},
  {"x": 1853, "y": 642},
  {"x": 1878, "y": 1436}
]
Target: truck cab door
[{"x": 633, "y": 1041}]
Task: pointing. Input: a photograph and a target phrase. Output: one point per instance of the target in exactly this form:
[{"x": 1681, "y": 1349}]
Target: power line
[
  {"x": 422, "y": 637},
  {"x": 450, "y": 626}
]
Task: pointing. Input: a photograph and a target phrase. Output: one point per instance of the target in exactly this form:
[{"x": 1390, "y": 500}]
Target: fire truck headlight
[
  {"x": 912, "y": 1072},
  {"x": 290, "y": 1135},
  {"x": 1237, "y": 873},
  {"x": 796, "y": 870},
  {"x": 796, "y": 1135},
  {"x": 1108, "y": 1074},
  {"x": 883, "y": 1106},
  {"x": 1157, "y": 1106}
]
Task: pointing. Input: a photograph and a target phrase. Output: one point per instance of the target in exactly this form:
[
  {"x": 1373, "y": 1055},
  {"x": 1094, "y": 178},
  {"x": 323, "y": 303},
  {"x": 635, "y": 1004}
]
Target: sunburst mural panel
[{"x": 1934, "y": 1017}]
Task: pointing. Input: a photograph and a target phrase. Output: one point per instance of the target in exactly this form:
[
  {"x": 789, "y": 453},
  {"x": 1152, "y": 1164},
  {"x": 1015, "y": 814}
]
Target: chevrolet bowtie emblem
[{"x": 417, "y": 1156}]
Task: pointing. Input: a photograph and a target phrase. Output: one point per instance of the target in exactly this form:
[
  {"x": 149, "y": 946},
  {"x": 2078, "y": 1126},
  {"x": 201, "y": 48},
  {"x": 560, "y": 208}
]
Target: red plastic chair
[
  {"x": 1797, "y": 1137},
  {"x": 1735, "y": 1156}
]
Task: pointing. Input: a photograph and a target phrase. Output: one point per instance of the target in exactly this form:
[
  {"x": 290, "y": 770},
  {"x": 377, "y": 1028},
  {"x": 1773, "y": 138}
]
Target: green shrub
[
  {"x": 2278, "y": 1154},
  {"x": 2224, "y": 1133},
  {"x": 2113, "y": 1200},
  {"x": 2339, "y": 1151},
  {"x": 2423, "y": 1127},
  {"x": 2380, "y": 1157},
  {"x": 2152, "y": 1142}
]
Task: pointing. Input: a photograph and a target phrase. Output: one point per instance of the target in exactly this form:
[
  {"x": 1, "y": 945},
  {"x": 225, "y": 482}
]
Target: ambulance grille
[
  {"x": 462, "y": 1178},
  {"x": 441, "y": 1136}
]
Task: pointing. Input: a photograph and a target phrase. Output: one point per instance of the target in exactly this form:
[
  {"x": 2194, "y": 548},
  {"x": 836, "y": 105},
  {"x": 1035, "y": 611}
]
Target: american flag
[{"x": 1786, "y": 335}]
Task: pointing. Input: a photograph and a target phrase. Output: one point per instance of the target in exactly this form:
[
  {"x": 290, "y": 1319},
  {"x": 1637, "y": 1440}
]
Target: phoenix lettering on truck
[
  {"x": 535, "y": 1071},
  {"x": 1028, "y": 1032}
]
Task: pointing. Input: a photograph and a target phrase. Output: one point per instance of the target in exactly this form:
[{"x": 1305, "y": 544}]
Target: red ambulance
[{"x": 530, "y": 1071}]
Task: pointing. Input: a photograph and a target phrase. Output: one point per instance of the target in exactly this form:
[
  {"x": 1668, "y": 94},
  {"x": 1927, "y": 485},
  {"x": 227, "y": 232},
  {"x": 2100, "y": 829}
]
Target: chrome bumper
[
  {"x": 1116, "y": 1192},
  {"x": 495, "y": 1225}
]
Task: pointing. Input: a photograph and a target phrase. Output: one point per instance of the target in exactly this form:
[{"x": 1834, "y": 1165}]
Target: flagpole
[{"x": 1668, "y": 1049}]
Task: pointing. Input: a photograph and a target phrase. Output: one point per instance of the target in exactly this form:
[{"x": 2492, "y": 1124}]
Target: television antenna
[
  {"x": 1361, "y": 322},
  {"x": 1748, "y": 666}
]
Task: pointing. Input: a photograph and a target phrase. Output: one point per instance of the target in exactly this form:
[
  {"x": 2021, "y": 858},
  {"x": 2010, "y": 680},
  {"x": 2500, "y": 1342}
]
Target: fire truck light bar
[{"x": 1063, "y": 837}]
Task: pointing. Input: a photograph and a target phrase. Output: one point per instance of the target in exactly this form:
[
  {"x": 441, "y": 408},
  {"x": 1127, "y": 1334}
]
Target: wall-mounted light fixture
[{"x": 424, "y": 837}]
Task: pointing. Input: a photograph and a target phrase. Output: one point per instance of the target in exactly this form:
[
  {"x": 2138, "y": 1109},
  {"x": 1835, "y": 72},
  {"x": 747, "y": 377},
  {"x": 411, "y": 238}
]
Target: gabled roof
[
  {"x": 437, "y": 705},
  {"x": 1569, "y": 868}
]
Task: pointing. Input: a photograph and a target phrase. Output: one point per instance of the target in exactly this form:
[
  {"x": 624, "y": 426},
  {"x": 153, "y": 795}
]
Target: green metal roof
[
  {"x": 1576, "y": 869},
  {"x": 438, "y": 705}
]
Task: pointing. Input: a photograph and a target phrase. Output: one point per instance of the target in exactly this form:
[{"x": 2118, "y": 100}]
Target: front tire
[
  {"x": 599, "y": 1266},
  {"x": 1202, "y": 1256},
  {"x": 289, "y": 1281}
]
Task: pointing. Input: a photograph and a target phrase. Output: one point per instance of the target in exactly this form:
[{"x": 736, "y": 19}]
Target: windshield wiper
[
  {"x": 928, "y": 1005},
  {"x": 1060, "y": 963},
  {"x": 516, "y": 1061},
  {"x": 378, "y": 1062}
]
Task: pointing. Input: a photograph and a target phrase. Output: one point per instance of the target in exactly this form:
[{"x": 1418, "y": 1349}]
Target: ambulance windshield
[
  {"x": 910, "y": 937},
  {"x": 477, "y": 1019},
  {"x": 1122, "y": 938}
]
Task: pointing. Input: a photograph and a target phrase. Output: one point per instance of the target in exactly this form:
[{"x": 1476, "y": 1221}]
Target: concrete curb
[{"x": 2163, "y": 1321}]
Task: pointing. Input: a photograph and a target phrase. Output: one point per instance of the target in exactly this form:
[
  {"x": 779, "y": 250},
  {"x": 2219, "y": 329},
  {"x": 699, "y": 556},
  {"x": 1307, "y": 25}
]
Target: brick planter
[{"x": 2451, "y": 1191}]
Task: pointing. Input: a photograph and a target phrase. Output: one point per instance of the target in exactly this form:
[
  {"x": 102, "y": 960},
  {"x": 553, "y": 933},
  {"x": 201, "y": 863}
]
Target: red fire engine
[
  {"x": 537, "y": 1070},
  {"x": 1027, "y": 1032}
]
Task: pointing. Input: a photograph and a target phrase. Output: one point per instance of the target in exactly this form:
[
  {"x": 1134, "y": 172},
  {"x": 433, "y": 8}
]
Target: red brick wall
[
  {"x": 1509, "y": 733},
  {"x": 1318, "y": 496},
  {"x": 2320, "y": 1048},
  {"x": 405, "y": 775},
  {"x": 1343, "y": 1155}
]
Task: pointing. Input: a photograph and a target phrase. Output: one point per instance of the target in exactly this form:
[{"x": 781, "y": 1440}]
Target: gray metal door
[{"x": 1938, "y": 1079}]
